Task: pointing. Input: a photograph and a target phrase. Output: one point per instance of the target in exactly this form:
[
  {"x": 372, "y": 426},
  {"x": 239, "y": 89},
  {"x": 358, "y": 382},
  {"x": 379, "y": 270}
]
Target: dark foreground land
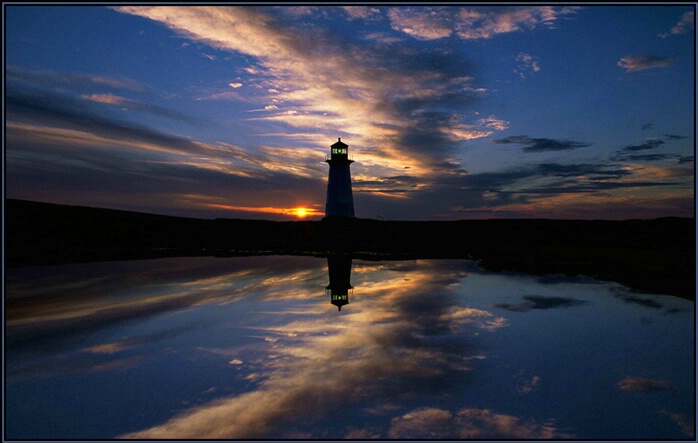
[{"x": 648, "y": 255}]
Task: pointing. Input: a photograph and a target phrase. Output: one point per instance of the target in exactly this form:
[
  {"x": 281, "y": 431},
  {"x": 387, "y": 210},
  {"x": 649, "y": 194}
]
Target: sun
[{"x": 301, "y": 212}]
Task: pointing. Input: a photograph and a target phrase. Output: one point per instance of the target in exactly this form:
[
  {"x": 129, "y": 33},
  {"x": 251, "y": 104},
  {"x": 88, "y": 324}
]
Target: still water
[{"x": 254, "y": 348}]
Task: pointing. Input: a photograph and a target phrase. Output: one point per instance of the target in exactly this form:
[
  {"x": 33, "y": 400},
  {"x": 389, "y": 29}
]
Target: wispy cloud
[
  {"x": 632, "y": 152},
  {"x": 422, "y": 23},
  {"x": 541, "y": 144},
  {"x": 540, "y": 302},
  {"x": 476, "y": 24},
  {"x": 685, "y": 422},
  {"x": 54, "y": 79},
  {"x": 684, "y": 25},
  {"x": 634, "y": 63},
  {"x": 642, "y": 384},
  {"x": 124, "y": 103},
  {"x": 526, "y": 64},
  {"x": 387, "y": 96},
  {"x": 469, "y": 423},
  {"x": 362, "y": 12},
  {"x": 570, "y": 190},
  {"x": 649, "y": 144},
  {"x": 433, "y": 23}
]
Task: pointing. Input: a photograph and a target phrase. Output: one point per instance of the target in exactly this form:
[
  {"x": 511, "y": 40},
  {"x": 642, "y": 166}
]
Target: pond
[{"x": 284, "y": 347}]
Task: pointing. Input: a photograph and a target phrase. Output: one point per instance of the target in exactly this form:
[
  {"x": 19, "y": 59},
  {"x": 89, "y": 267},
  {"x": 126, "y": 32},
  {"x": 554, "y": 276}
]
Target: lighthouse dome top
[{"x": 339, "y": 145}]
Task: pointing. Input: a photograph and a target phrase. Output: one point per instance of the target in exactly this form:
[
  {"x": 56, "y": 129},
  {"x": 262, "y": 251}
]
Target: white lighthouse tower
[{"x": 340, "y": 201}]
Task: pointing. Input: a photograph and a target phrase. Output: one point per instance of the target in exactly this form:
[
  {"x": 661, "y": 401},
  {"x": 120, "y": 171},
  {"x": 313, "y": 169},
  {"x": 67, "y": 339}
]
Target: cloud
[
  {"x": 124, "y": 103},
  {"x": 647, "y": 157},
  {"x": 634, "y": 63},
  {"x": 641, "y": 384},
  {"x": 476, "y": 24},
  {"x": 52, "y": 79},
  {"x": 529, "y": 385},
  {"x": 361, "y": 12},
  {"x": 407, "y": 100},
  {"x": 541, "y": 144},
  {"x": 468, "y": 423},
  {"x": 422, "y": 423},
  {"x": 319, "y": 363},
  {"x": 62, "y": 111},
  {"x": 674, "y": 137},
  {"x": 421, "y": 23},
  {"x": 527, "y": 64},
  {"x": 578, "y": 190},
  {"x": 484, "y": 423},
  {"x": 687, "y": 423},
  {"x": 432, "y": 23},
  {"x": 628, "y": 152},
  {"x": 649, "y": 144},
  {"x": 684, "y": 25},
  {"x": 540, "y": 302}
]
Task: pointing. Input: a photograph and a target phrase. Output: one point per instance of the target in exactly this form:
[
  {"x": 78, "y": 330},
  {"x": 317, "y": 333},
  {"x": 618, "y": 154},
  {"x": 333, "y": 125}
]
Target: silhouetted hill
[{"x": 652, "y": 255}]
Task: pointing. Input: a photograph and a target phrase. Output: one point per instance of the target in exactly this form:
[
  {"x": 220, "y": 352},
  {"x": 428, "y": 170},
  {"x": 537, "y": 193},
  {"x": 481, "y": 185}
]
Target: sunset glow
[{"x": 300, "y": 212}]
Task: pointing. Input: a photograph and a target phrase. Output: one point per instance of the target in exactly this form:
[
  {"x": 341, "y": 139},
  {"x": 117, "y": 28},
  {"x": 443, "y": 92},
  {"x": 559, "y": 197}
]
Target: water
[{"x": 252, "y": 347}]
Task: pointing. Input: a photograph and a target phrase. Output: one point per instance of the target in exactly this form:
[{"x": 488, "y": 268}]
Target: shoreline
[{"x": 654, "y": 255}]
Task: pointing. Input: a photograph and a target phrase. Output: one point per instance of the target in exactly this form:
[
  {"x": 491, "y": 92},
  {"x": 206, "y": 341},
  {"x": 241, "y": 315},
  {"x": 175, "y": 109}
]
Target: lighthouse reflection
[{"x": 339, "y": 270}]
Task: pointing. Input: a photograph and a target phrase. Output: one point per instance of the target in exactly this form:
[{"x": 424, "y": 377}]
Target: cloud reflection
[
  {"x": 540, "y": 302},
  {"x": 641, "y": 384},
  {"x": 469, "y": 423},
  {"x": 392, "y": 345}
]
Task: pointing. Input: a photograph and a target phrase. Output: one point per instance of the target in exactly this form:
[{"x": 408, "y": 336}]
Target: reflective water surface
[{"x": 285, "y": 348}]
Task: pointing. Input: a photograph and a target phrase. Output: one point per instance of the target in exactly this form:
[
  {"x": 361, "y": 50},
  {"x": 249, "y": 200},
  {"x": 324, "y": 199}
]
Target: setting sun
[{"x": 303, "y": 212}]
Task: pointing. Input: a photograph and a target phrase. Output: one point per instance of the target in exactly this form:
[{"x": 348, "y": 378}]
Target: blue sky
[{"x": 449, "y": 112}]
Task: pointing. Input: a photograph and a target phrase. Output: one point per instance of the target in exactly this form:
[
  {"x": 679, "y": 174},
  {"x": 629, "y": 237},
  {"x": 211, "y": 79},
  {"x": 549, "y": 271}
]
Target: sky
[{"x": 450, "y": 112}]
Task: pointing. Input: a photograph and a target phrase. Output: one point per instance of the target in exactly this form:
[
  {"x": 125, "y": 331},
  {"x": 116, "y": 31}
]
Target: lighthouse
[
  {"x": 340, "y": 201},
  {"x": 339, "y": 269}
]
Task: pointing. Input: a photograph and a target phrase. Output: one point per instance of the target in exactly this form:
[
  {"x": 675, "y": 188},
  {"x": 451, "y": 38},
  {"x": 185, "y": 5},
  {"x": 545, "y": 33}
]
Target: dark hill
[{"x": 652, "y": 255}]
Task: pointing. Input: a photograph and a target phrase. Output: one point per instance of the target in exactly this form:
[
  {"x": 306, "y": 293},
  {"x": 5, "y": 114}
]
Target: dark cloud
[
  {"x": 648, "y": 157},
  {"x": 44, "y": 108},
  {"x": 649, "y": 144},
  {"x": 647, "y": 126},
  {"x": 590, "y": 170},
  {"x": 627, "y": 153},
  {"x": 53, "y": 79},
  {"x": 492, "y": 192},
  {"x": 392, "y": 184},
  {"x": 540, "y": 302},
  {"x": 541, "y": 144},
  {"x": 649, "y": 303},
  {"x": 674, "y": 137},
  {"x": 37, "y": 95}
]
